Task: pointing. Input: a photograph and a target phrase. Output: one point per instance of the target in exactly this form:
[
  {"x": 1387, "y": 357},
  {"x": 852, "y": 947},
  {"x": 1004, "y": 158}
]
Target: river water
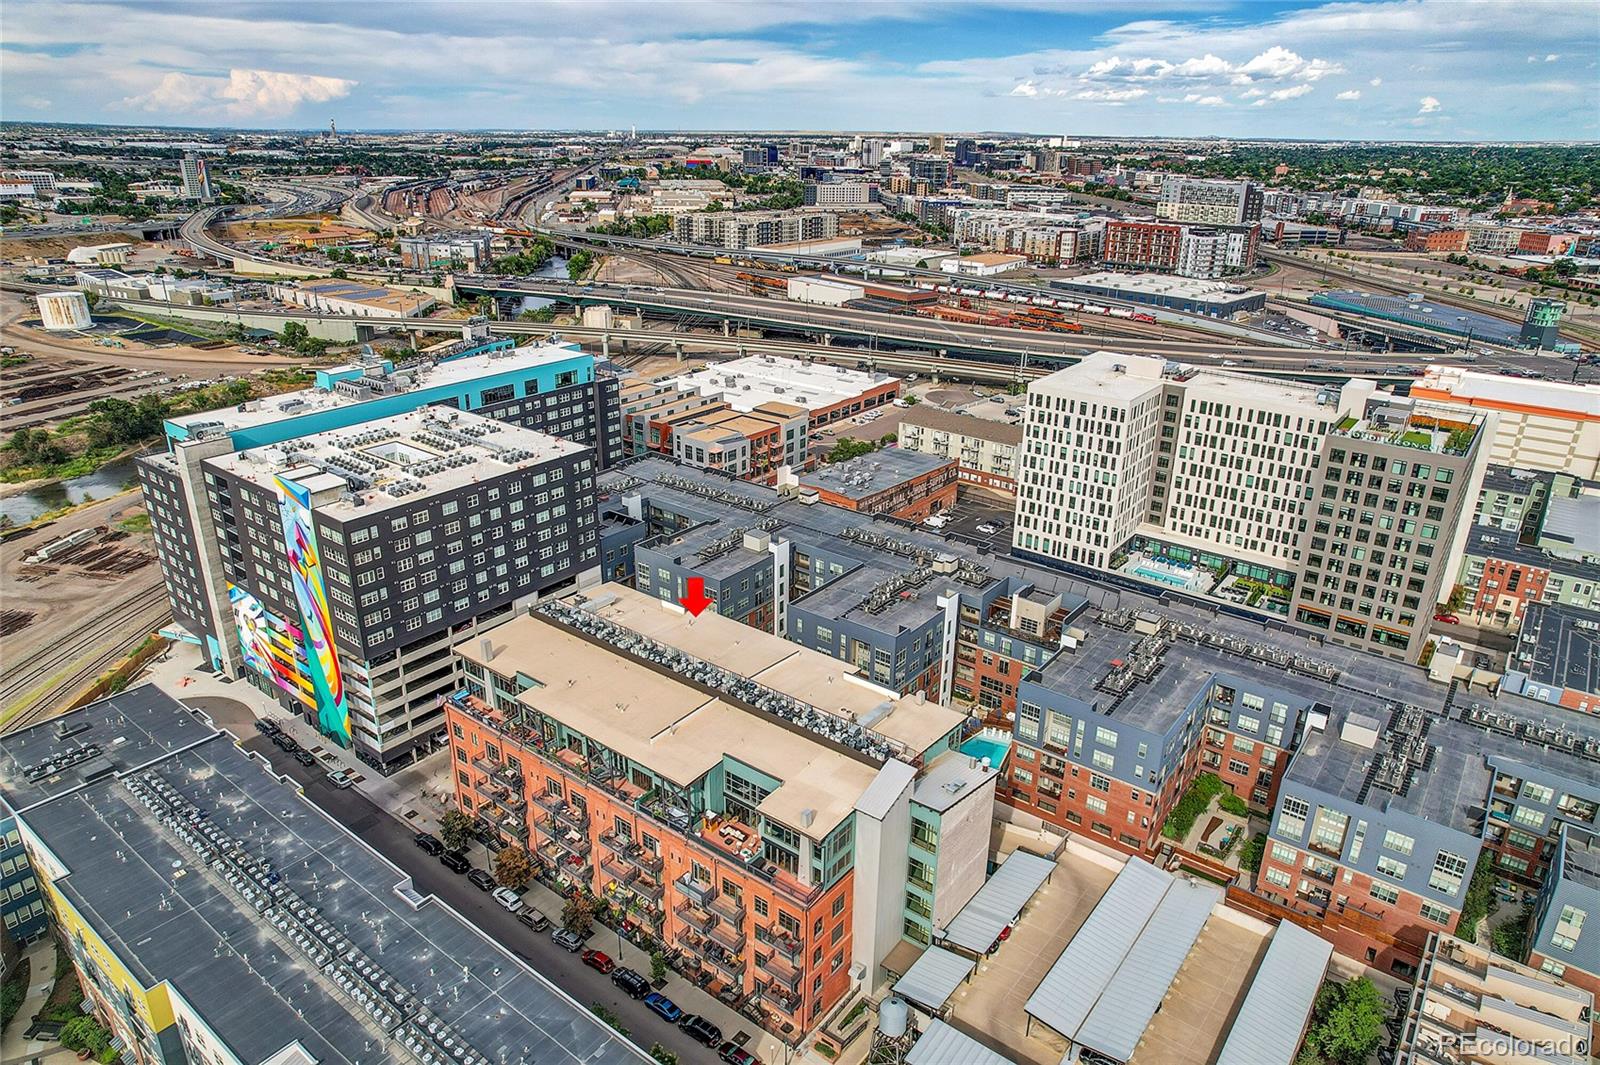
[{"x": 108, "y": 480}]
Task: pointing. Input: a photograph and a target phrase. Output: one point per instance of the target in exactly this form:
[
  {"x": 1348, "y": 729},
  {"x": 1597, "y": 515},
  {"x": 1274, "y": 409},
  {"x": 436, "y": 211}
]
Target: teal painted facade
[
  {"x": 921, "y": 874},
  {"x": 464, "y": 395}
]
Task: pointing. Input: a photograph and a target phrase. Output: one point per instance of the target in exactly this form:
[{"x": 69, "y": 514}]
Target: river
[{"x": 108, "y": 480}]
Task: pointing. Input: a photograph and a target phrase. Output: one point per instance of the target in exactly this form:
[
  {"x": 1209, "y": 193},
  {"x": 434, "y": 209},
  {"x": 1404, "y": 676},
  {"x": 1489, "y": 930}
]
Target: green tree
[
  {"x": 512, "y": 867},
  {"x": 35, "y": 447},
  {"x": 455, "y": 830},
  {"x": 579, "y": 265},
  {"x": 577, "y": 916},
  {"x": 658, "y": 967},
  {"x": 849, "y": 448},
  {"x": 1347, "y": 1022},
  {"x": 1250, "y": 857},
  {"x": 294, "y": 334},
  {"x": 663, "y": 1055},
  {"x": 115, "y": 422},
  {"x": 339, "y": 272}
]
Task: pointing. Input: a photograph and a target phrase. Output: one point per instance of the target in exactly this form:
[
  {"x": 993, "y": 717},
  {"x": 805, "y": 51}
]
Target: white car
[
  {"x": 509, "y": 900},
  {"x": 937, "y": 521},
  {"x": 988, "y": 528}
]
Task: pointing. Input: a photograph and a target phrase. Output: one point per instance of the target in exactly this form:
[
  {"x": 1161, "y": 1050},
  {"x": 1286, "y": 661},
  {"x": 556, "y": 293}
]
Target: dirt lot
[
  {"x": 57, "y": 247},
  {"x": 275, "y": 228}
]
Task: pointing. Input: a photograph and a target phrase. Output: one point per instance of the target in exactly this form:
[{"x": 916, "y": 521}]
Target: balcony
[
  {"x": 621, "y": 872},
  {"x": 647, "y": 861},
  {"x": 784, "y": 972},
  {"x": 550, "y": 804},
  {"x": 1327, "y": 876},
  {"x": 695, "y": 917},
  {"x": 727, "y": 907},
  {"x": 728, "y": 936},
  {"x": 574, "y": 843},
  {"x": 697, "y": 891},
  {"x": 616, "y": 844},
  {"x": 781, "y": 943},
  {"x": 781, "y": 1000},
  {"x": 731, "y": 965},
  {"x": 1329, "y": 849},
  {"x": 647, "y": 888},
  {"x": 573, "y": 865},
  {"x": 573, "y": 817}
]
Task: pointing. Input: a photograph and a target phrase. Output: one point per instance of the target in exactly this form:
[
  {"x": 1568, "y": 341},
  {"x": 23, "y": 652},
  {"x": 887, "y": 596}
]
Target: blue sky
[{"x": 1385, "y": 69}]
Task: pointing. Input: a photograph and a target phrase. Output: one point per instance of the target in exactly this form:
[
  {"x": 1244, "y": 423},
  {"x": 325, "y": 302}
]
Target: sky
[{"x": 1378, "y": 70}]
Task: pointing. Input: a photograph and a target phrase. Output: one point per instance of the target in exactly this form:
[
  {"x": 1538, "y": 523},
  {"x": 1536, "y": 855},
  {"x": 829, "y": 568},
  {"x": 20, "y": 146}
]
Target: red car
[
  {"x": 1448, "y": 619},
  {"x": 596, "y": 959}
]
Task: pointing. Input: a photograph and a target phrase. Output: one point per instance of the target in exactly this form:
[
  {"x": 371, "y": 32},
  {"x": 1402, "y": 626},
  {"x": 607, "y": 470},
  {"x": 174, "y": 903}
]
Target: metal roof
[
  {"x": 1118, "y": 1020},
  {"x": 1273, "y": 1017},
  {"x": 943, "y": 1045},
  {"x": 998, "y": 902},
  {"x": 934, "y": 977},
  {"x": 1075, "y": 983}
]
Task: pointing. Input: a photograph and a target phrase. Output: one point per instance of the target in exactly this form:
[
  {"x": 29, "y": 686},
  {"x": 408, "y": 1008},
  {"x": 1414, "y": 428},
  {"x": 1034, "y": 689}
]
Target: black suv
[
  {"x": 701, "y": 1030},
  {"x": 635, "y": 985},
  {"x": 455, "y": 861},
  {"x": 481, "y": 880},
  {"x": 429, "y": 843}
]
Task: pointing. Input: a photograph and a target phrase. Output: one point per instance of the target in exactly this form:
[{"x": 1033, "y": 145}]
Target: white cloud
[
  {"x": 1110, "y": 95},
  {"x": 1375, "y": 82},
  {"x": 1349, "y": 94},
  {"x": 1210, "y": 101},
  {"x": 1026, "y": 88},
  {"x": 1429, "y": 105},
  {"x": 1290, "y": 93},
  {"x": 242, "y": 94},
  {"x": 1551, "y": 58}
]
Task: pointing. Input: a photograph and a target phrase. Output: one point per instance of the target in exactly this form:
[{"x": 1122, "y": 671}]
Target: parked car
[
  {"x": 481, "y": 879},
  {"x": 305, "y": 758},
  {"x": 988, "y": 528},
  {"x": 1448, "y": 619},
  {"x": 429, "y": 843},
  {"x": 663, "y": 1007},
  {"x": 635, "y": 985},
  {"x": 455, "y": 861},
  {"x": 936, "y": 521},
  {"x": 701, "y": 1030},
  {"x": 734, "y": 1054},
  {"x": 536, "y": 921},
  {"x": 266, "y": 726},
  {"x": 509, "y": 900},
  {"x": 569, "y": 941},
  {"x": 599, "y": 961},
  {"x": 341, "y": 778}
]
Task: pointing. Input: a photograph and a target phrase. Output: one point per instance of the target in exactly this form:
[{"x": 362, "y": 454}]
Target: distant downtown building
[
  {"x": 1216, "y": 203},
  {"x": 1340, "y": 510},
  {"x": 327, "y": 545},
  {"x": 196, "y": 176}
]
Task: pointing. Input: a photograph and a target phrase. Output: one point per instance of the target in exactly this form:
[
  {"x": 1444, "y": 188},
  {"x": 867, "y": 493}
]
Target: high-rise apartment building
[
  {"x": 326, "y": 549},
  {"x": 1239, "y": 488},
  {"x": 966, "y": 153},
  {"x": 1218, "y": 203},
  {"x": 934, "y": 169},
  {"x": 745, "y": 229},
  {"x": 196, "y": 174}
]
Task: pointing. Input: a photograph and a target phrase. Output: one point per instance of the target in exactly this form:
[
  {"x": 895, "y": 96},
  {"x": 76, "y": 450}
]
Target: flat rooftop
[
  {"x": 946, "y": 421},
  {"x": 1189, "y": 288},
  {"x": 799, "y": 672},
  {"x": 675, "y": 729},
  {"x": 405, "y": 378},
  {"x": 171, "y": 916},
  {"x": 398, "y": 460},
  {"x": 1560, "y": 646},
  {"x": 745, "y": 383},
  {"x": 1491, "y": 542},
  {"x": 377, "y": 296},
  {"x": 868, "y": 475},
  {"x": 1461, "y": 385}
]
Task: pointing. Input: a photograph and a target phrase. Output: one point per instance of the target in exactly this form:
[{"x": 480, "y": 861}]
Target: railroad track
[{"x": 37, "y": 688}]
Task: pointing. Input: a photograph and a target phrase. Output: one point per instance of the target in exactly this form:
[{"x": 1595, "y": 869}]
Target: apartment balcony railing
[
  {"x": 727, "y": 907},
  {"x": 732, "y": 965},
  {"x": 650, "y": 889},
  {"x": 780, "y": 942},
  {"x": 729, "y": 937},
  {"x": 621, "y": 872},
  {"x": 648, "y": 861},
  {"x": 574, "y": 817},
  {"x": 1324, "y": 848},
  {"x": 550, "y": 804},
  {"x": 1327, "y": 876},
  {"x": 783, "y": 1001},
  {"x": 579, "y": 846},
  {"x": 616, "y": 844},
  {"x": 696, "y": 890},
  {"x": 780, "y": 969},
  {"x": 695, "y": 917}
]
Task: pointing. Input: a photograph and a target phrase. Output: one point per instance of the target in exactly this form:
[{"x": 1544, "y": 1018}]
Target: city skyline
[{"x": 1316, "y": 71}]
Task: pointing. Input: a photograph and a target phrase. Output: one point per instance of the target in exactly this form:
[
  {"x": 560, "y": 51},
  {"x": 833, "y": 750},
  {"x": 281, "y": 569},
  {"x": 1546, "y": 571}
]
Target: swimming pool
[
  {"x": 985, "y": 747},
  {"x": 1175, "y": 581}
]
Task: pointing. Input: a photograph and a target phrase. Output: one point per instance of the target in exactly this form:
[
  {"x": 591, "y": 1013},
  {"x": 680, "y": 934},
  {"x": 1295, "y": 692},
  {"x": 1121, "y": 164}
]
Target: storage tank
[
  {"x": 893, "y": 1015},
  {"x": 59, "y": 311}
]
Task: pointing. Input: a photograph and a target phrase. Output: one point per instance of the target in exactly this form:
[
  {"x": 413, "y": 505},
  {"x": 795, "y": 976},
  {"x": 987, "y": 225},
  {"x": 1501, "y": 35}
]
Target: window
[
  {"x": 1284, "y": 854},
  {"x": 1437, "y": 914},
  {"x": 1277, "y": 878},
  {"x": 1537, "y": 793},
  {"x": 1569, "y": 928},
  {"x": 1383, "y": 893},
  {"x": 1398, "y": 842},
  {"x": 1292, "y": 816},
  {"x": 1391, "y": 867},
  {"x": 1448, "y": 869}
]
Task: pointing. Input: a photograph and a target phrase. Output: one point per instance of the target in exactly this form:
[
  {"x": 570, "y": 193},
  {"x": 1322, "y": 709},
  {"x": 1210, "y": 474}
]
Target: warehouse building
[
  {"x": 1187, "y": 295},
  {"x": 904, "y": 484},
  {"x": 144, "y": 825},
  {"x": 352, "y": 297},
  {"x": 829, "y": 393}
]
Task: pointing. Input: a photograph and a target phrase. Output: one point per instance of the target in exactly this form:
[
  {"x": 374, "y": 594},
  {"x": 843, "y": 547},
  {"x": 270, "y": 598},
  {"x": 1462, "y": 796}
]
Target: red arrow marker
[{"x": 696, "y": 600}]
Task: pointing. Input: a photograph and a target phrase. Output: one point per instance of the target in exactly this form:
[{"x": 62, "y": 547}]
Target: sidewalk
[{"x": 14, "y": 1049}]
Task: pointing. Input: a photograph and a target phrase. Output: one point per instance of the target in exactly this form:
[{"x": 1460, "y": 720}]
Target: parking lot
[{"x": 975, "y": 507}]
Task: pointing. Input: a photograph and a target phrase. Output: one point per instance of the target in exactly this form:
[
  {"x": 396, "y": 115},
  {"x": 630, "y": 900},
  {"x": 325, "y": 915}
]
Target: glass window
[{"x": 1448, "y": 869}]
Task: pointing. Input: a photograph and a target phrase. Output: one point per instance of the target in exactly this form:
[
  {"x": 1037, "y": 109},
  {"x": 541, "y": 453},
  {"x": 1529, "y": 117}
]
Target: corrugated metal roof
[
  {"x": 1119, "y": 1018},
  {"x": 934, "y": 977},
  {"x": 1273, "y": 1017},
  {"x": 943, "y": 1045},
  {"x": 1080, "y": 976},
  {"x": 998, "y": 902}
]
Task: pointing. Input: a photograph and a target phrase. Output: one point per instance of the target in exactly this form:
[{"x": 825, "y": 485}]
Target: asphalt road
[{"x": 351, "y": 808}]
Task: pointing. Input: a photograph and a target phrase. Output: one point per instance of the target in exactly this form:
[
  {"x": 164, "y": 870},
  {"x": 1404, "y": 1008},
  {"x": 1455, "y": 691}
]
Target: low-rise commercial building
[
  {"x": 1215, "y": 299},
  {"x": 904, "y": 484},
  {"x": 829, "y": 393},
  {"x": 985, "y": 264},
  {"x": 353, "y": 297},
  {"x": 101, "y": 254},
  {"x": 985, "y": 450}
]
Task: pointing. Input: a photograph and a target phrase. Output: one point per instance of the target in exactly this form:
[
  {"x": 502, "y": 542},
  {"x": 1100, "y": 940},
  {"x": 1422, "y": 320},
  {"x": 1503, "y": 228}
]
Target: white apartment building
[
  {"x": 985, "y": 451},
  {"x": 1089, "y": 438},
  {"x": 1204, "y": 459},
  {"x": 1217, "y": 203},
  {"x": 837, "y": 194},
  {"x": 1203, "y": 253}
]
